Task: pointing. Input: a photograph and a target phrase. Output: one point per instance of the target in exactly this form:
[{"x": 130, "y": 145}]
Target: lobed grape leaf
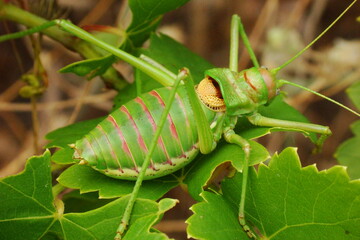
[
  {"x": 101, "y": 223},
  {"x": 284, "y": 201},
  {"x": 28, "y": 210},
  {"x": 348, "y": 155},
  {"x": 140, "y": 229},
  {"x": 199, "y": 173}
]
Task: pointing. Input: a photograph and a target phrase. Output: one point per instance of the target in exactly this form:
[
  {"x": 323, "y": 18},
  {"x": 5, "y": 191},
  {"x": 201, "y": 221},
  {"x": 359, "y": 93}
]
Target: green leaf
[
  {"x": 102, "y": 223},
  {"x": 354, "y": 94},
  {"x": 27, "y": 210},
  {"x": 63, "y": 156},
  {"x": 214, "y": 218},
  {"x": 146, "y": 16},
  {"x": 355, "y": 128},
  {"x": 89, "y": 67},
  {"x": 140, "y": 229},
  {"x": 348, "y": 153},
  {"x": 283, "y": 201},
  {"x": 204, "y": 167},
  {"x": 54, "y": 233},
  {"x": 61, "y": 137},
  {"x": 87, "y": 180},
  {"x": 77, "y": 202}
]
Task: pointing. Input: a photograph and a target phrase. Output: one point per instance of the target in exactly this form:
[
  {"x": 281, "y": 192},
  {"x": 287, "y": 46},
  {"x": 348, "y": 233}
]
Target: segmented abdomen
[{"x": 118, "y": 145}]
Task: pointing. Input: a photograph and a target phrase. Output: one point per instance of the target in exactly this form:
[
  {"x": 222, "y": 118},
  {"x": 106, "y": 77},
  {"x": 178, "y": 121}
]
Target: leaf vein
[{"x": 30, "y": 197}]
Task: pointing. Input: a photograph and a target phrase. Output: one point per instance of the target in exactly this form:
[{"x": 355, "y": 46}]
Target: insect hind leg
[{"x": 306, "y": 128}]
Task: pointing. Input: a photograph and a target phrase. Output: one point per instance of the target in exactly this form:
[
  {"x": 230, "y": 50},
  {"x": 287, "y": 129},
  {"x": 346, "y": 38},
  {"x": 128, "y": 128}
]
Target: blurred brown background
[{"x": 277, "y": 30}]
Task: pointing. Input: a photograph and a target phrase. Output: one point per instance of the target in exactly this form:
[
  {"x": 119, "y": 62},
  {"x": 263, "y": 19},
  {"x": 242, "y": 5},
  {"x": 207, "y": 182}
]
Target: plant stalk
[{"x": 18, "y": 15}]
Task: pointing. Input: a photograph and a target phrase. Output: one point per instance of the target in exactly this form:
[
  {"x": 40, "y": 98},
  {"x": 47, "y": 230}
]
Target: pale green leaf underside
[{"x": 87, "y": 179}]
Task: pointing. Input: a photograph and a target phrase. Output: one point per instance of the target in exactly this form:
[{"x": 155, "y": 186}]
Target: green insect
[{"x": 161, "y": 131}]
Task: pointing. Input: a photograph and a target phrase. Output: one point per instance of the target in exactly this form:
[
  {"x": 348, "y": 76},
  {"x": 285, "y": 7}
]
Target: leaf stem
[
  {"x": 57, "y": 189},
  {"x": 35, "y": 123}
]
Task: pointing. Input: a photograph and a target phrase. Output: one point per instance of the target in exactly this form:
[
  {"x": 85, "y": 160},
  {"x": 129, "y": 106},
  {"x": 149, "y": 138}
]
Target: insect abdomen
[{"x": 119, "y": 144}]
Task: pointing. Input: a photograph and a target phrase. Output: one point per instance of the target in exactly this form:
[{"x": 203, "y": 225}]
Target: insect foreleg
[
  {"x": 231, "y": 137},
  {"x": 127, "y": 213},
  {"x": 206, "y": 138},
  {"x": 324, "y": 131}
]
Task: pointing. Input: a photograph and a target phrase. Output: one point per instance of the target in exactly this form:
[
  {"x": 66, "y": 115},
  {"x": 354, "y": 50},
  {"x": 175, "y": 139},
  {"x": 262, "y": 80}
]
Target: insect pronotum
[{"x": 161, "y": 131}]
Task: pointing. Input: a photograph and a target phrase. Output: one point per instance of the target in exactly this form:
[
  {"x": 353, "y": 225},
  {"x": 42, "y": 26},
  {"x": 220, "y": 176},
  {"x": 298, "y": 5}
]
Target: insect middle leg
[{"x": 231, "y": 137}]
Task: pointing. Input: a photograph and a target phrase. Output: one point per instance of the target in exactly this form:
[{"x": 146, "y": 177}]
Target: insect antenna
[
  {"x": 282, "y": 81},
  {"x": 276, "y": 70}
]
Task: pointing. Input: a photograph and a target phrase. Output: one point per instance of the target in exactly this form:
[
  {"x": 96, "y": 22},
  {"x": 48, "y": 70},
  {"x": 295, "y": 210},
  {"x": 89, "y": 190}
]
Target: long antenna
[
  {"x": 282, "y": 81},
  {"x": 276, "y": 70}
]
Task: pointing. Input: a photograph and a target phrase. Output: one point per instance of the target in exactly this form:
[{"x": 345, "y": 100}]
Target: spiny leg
[
  {"x": 231, "y": 137},
  {"x": 324, "y": 131},
  {"x": 128, "y": 210}
]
